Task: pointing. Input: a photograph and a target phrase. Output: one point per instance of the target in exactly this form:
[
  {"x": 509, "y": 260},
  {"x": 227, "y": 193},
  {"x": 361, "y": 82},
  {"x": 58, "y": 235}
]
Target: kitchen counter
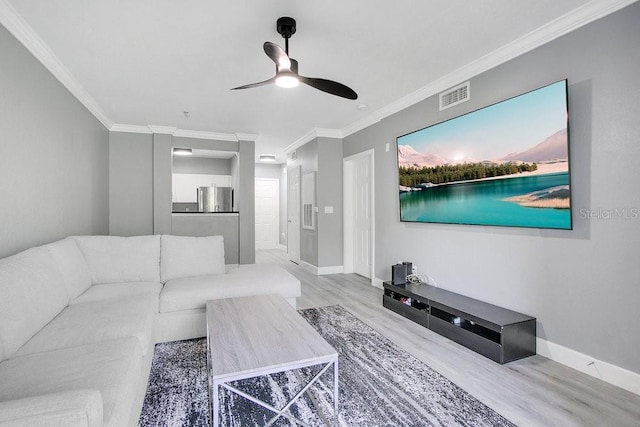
[
  {"x": 192, "y": 213},
  {"x": 225, "y": 224}
]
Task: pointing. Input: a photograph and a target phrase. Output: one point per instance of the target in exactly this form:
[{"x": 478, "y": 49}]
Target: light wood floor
[{"x": 534, "y": 391}]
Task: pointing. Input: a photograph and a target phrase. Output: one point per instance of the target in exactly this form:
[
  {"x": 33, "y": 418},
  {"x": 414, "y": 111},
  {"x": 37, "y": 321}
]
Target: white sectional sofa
[{"x": 79, "y": 319}]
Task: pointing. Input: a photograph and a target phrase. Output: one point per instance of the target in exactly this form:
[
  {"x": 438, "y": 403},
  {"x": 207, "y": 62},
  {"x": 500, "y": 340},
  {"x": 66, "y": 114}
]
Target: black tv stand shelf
[{"x": 500, "y": 334}]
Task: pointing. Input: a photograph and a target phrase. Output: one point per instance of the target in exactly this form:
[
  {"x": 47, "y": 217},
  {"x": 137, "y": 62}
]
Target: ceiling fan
[{"x": 287, "y": 68}]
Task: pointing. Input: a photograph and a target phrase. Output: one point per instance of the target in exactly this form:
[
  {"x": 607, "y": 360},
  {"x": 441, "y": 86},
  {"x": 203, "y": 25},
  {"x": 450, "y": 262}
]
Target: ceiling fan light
[
  {"x": 284, "y": 62},
  {"x": 267, "y": 157},
  {"x": 287, "y": 80},
  {"x": 182, "y": 151}
]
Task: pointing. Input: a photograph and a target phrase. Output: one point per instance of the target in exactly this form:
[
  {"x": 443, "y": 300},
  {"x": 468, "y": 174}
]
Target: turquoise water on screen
[{"x": 480, "y": 203}]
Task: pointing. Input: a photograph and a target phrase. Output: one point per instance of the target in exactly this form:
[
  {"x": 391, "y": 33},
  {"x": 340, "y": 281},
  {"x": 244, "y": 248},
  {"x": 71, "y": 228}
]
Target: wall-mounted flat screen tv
[{"x": 506, "y": 165}]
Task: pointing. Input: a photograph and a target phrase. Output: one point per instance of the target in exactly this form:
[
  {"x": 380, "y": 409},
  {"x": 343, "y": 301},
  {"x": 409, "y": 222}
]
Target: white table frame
[
  {"x": 217, "y": 383},
  {"x": 222, "y": 380}
]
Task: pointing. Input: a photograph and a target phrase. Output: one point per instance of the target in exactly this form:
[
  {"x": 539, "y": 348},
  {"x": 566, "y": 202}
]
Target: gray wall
[
  {"x": 234, "y": 166},
  {"x": 54, "y": 156},
  {"x": 307, "y": 159},
  {"x": 162, "y": 183},
  {"x": 247, "y": 201},
  {"x": 582, "y": 285},
  {"x": 322, "y": 247},
  {"x": 130, "y": 184},
  {"x": 329, "y": 194},
  {"x": 283, "y": 205}
]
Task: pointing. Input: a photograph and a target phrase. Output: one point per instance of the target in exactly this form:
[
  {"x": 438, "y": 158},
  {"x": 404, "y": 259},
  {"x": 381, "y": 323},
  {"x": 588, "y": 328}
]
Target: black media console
[{"x": 501, "y": 335}]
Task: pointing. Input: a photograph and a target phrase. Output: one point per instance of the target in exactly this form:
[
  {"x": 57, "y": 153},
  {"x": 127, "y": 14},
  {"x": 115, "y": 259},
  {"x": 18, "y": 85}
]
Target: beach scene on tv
[{"x": 506, "y": 165}]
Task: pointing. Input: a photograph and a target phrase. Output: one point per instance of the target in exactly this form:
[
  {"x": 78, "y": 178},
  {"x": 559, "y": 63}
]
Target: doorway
[
  {"x": 359, "y": 214},
  {"x": 267, "y": 217}
]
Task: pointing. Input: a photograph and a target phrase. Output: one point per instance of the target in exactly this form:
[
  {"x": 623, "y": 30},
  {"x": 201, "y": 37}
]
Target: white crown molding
[
  {"x": 307, "y": 137},
  {"x": 17, "y": 26},
  {"x": 313, "y": 134},
  {"x": 197, "y": 134},
  {"x": 247, "y": 136},
  {"x": 373, "y": 118},
  {"x": 183, "y": 133},
  {"x": 329, "y": 133},
  {"x": 577, "y": 18},
  {"x": 118, "y": 127},
  {"x": 165, "y": 130}
]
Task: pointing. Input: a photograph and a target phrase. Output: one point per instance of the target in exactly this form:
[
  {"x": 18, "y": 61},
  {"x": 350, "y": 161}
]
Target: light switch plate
[{"x": 328, "y": 209}]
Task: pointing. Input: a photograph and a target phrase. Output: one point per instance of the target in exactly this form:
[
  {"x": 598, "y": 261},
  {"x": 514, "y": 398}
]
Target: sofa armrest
[{"x": 62, "y": 409}]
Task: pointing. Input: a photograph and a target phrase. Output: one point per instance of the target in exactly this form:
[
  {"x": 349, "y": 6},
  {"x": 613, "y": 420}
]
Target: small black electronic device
[
  {"x": 399, "y": 274},
  {"x": 409, "y": 265}
]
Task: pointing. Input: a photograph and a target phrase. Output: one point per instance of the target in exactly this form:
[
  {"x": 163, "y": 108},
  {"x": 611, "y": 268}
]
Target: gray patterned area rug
[{"x": 380, "y": 385}]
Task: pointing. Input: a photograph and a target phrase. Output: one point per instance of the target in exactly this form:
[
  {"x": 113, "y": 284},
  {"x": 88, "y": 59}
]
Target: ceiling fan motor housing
[{"x": 286, "y": 26}]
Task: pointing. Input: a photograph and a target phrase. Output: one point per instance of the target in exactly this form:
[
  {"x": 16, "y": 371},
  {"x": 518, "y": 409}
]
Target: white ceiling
[{"x": 146, "y": 62}]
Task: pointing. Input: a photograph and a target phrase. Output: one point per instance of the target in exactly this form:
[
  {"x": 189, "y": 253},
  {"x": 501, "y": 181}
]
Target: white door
[
  {"x": 267, "y": 219},
  {"x": 293, "y": 214},
  {"x": 359, "y": 215}
]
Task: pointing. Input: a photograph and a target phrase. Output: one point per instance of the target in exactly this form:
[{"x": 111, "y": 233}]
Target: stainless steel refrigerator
[{"x": 215, "y": 199}]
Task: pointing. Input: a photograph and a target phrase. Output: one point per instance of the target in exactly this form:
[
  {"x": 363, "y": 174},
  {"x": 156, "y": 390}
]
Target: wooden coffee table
[{"x": 261, "y": 335}]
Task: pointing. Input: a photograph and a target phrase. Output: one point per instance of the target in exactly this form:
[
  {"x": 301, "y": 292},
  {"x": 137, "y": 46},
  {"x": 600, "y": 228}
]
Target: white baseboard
[
  {"x": 377, "y": 283},
  {"x": 309, "y": 267},
  {"x": 335, "y": 269},
  {"x": 319, "y": 271},
  {"x": 283, "y": 247},
  {"x": 612, "y": 374}
]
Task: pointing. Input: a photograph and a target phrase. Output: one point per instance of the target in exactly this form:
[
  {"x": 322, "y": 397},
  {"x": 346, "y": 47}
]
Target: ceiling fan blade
[
  {"x": 329, "y": 86},
  {"x": 266, "y": 82},
  {"x": 277, "y": 55}
]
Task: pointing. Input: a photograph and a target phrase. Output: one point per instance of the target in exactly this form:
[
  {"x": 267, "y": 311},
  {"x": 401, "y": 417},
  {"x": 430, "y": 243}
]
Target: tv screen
[{"x": 506, "y": 165}]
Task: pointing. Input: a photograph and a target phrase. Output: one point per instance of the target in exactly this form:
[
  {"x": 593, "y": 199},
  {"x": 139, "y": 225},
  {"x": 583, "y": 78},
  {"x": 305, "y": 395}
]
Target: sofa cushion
[
  {"x": 183, "y": 256},
  {"x": 114, "y": 259},
  {"x": 32, "y": 293},
  {"x": 112, "y": 291},
  {"x": 72, "y": 266},
  {"x": 111, "y": 367},
  {"x": 193, "y": 292},
  {"x": 92, "y": 322},
  {"x": 80, "y": 408}
]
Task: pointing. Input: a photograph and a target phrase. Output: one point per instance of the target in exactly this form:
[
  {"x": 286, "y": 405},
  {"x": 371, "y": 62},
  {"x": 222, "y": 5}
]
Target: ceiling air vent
[{"x": 455, "y": 96}]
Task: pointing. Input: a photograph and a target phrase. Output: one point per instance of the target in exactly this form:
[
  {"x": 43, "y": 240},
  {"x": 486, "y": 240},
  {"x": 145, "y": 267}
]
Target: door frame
[
  {"x": 277, "y": 182},
  {"x": 297, "y": 244},
  {"x": 348, "y": 229}
]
